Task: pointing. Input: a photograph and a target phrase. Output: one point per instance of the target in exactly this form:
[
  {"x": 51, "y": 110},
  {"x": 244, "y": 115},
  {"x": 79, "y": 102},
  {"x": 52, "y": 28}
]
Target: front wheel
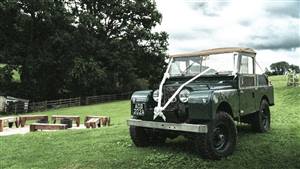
[
  {"x": 138, "y": 136},
  {"x": 142, "y": 137},
  {"x": 220, "y": 141}
]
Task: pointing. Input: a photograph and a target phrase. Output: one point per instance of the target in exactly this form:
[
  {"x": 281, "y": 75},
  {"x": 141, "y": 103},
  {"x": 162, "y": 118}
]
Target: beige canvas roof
[{"x": 216, "y": 51}]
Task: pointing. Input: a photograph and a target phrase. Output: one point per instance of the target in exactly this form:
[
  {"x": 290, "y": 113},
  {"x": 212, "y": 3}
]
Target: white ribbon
[{"x": 158, "y": 110}]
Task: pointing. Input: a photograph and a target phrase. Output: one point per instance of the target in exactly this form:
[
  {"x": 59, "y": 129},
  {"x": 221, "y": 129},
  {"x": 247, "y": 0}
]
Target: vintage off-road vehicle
[{"x": 201, "y": 96}]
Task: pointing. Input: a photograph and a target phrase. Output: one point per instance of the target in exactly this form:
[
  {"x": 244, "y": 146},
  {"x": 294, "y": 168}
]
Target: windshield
[{"x": 221, "y": 64}]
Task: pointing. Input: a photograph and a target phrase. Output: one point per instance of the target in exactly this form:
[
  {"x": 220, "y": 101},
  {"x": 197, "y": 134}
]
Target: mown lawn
[{"x": 112, "y": 148}]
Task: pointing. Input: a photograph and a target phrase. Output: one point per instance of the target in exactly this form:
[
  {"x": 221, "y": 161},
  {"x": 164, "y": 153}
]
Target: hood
[{"x": 202, "y": 83}]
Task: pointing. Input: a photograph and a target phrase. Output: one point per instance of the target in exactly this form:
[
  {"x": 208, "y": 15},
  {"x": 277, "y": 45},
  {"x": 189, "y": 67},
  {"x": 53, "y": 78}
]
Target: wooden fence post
[
  {"x": 33, "y": 107},
  {"x": 15, "y": 108}
]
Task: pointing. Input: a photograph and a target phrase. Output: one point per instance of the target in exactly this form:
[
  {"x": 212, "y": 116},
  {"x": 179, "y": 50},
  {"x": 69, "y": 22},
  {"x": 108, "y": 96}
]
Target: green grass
[{"x": 112, "y": 148}]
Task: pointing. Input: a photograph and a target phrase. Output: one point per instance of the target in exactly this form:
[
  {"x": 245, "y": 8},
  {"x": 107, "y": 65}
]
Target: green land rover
[{"x": 201, "y": 96}]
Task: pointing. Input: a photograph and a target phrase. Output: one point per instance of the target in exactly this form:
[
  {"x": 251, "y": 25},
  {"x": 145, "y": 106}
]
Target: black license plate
[{"x": 139, "y": 109}]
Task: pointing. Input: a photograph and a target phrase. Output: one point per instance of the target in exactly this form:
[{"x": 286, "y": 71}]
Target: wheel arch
[{"x": 265, "y": 98}]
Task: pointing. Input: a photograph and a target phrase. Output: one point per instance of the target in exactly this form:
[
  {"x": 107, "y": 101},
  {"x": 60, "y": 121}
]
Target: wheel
[
  {"x": 142, "y": 137},
  {"x": 261, "y": 119},
  {"x": 138, "y": 136},
  {"x": 220, "y": 141},
  {"x": 156, "y": 137}
]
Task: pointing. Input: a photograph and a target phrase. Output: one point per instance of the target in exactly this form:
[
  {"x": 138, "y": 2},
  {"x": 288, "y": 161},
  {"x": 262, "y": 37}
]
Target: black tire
[
  {"x": 220, "y": 141},
  {"x": 262, "y": 119},
  {"x": 142, "y": 137},
  {"x": 138, "y": 136},
  {"x": 156, "y": 137}
]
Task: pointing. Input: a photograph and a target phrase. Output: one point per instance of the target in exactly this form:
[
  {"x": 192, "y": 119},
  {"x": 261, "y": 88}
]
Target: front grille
[{"x": 167, "y": 93}]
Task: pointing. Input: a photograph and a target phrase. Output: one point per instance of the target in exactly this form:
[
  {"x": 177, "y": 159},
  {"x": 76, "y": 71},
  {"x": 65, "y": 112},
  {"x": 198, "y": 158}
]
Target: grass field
[{"x": 112, "y": 148}]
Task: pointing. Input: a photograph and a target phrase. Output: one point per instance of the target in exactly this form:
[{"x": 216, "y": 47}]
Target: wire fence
[{"x": 21, "y": 107}]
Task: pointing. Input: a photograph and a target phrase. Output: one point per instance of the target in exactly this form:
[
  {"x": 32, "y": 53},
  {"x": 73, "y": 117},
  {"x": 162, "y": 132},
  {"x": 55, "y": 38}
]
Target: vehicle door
[{"x": 247, "y": 84}]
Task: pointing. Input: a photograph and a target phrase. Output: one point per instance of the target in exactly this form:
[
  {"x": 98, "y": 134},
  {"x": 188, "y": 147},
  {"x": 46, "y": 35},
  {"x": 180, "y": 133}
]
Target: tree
[
  {"x": 124, "y": 27},
  {"x": 36, "y": 39},
  {"x": 279, "y": 68},
  {"x": 80, "y": 47},
  {"x": 295, "y": 67},
  {"x": 267, "y": 72}
]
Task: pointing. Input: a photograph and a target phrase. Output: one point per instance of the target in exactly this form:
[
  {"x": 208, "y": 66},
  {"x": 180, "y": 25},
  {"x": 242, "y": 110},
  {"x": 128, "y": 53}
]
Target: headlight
[
  {"x": 204, "y": 100},
  {"x": 184, "y": 95},
  {"x": 155, "y": 95}
]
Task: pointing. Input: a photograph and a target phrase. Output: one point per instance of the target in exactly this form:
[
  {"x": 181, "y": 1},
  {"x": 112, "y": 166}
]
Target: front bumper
[{"x": 195, "y": 128}]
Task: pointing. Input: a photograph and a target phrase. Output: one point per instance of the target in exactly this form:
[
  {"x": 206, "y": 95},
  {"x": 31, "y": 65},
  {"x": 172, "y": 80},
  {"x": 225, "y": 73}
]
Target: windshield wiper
[{"x": 222, "y": 73}]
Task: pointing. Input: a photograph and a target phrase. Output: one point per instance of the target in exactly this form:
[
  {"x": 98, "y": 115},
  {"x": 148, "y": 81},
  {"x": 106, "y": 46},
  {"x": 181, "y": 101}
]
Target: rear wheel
[
  {"x": 261, "y": 119},
  {"x": 221, "y": 138}
]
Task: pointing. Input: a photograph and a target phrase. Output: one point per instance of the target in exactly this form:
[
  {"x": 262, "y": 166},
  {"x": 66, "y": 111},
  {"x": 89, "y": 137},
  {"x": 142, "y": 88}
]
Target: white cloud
[{"x": 272, "y": 28}]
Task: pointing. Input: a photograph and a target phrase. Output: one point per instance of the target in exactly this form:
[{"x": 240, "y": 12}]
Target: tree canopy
[
  {"x": 79, "y": 47},
  {"x": 279, "y": 68}
]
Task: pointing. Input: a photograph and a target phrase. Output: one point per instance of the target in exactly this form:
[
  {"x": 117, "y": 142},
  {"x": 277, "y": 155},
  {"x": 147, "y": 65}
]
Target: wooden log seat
[
  {"x": 104, "y": 120},
  {"x": 59, "y": 117},
  {"x": 92, "y": 122},
  {"x": 44, "y": 126},
  {"x": 24, "y": 118},
  {"x": 10, "y": 119}
]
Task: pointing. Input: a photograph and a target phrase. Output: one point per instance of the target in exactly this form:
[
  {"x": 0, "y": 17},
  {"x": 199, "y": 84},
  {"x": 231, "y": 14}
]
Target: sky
[{"x": 271, "y": 27}]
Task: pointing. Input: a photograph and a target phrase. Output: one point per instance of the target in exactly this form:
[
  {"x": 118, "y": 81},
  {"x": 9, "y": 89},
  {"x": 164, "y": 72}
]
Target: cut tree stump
[
  {"x": 24, "y": 118},
  {"x": 1, "y": 125},
  {"x": 43, "y": 126},
  {"x": 59, "y": 117}
]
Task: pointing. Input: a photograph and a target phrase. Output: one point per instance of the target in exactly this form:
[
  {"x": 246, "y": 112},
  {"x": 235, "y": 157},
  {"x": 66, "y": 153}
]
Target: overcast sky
[{"x": 271, "y": 27}]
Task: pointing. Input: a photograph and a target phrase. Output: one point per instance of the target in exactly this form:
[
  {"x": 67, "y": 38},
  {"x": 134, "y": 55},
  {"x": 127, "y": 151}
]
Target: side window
[
  {"x": 246, "y": 66},
  {"x": 250, "y": 65},
  {"x": 247, "y": 81},
  {"x": 262, "y": 80}
]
